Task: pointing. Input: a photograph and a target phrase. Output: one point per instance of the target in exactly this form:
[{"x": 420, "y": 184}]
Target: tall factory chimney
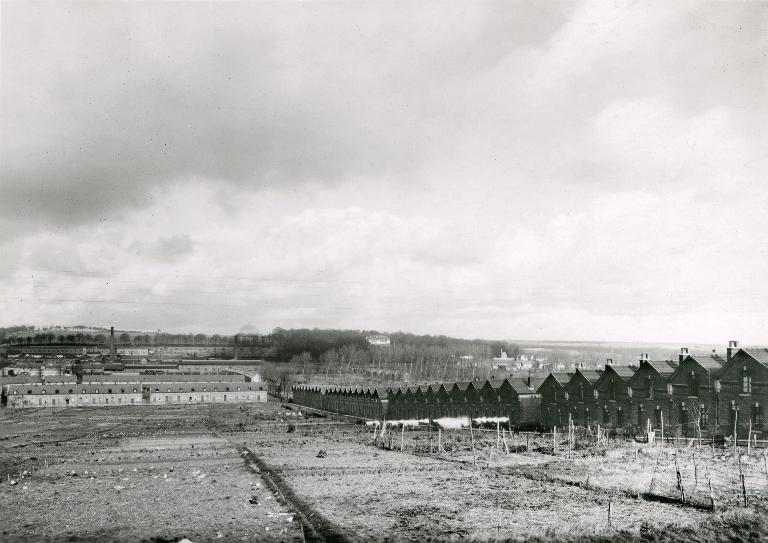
[
  {"x": 112, "y": 344},
  {"x": 235, "y": 346}
]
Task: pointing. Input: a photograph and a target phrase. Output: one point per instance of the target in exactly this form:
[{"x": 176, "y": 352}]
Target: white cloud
[{"x": 581, "y": 171}]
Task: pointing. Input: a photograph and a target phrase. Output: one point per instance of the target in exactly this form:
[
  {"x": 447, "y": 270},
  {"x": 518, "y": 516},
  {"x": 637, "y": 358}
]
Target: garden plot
[{"x": 158, "y": 486}]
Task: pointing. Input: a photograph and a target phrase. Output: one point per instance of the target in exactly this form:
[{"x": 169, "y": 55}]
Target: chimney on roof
[
  {"x": 733, "y": 346},
  {"x": 609, "y": 362},
  {"x": 683, "y": 354}
]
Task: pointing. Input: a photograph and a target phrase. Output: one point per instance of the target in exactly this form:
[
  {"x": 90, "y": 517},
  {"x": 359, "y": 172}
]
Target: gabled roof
[
  {"x": 463, "y": 385},
  {"x": 495, "y": 383},
  {"x": 625, "y": 372},
  {"x": 711, "y": 363},
  {"x": 562, "y": 378},
  {"x": 521, "y": 385},
  {"x": 665, "y": 368},
  {"x": 590, "y": 375},
  {"x": 761, "y": 355},
  {"x": 536, "y": 382}
]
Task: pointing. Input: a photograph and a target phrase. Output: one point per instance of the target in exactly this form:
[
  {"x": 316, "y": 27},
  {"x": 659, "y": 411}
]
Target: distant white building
[{"x": 377, "y": 340}]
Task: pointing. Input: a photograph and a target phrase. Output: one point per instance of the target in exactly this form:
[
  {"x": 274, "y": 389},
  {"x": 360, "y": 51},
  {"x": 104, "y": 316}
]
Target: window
[
  {"x": 134, "y": 390},
  {"x": 703, "y": 416},
  {"x": 122, "y": 391},
  {"x": 193, "y": 390},
  {"x": 29, "y": 392},
  {"x": 606, "y": 415},
  {"x": 15, "y": 391},
  {"x": 70, "y": 391},
  {"x": 56, "y": 391},
  {"x": 83, "y": 391},
  {"x": 657, "y": 417},
  {"x": 97, "y": 391},
  {"x": 581, "y": 392},
  {"x": 693, "y": 384},
  {"x": 669, "y": 389},
  {"x": 651, "y": 386},
  {"x": 109, "y": 390},
  {"x": 42, "y": 391},
  {"x": 629, "y": 391},
  {"x": 620, "y": 417},
  {"x": 612, "y": 390},
  {"x": 746, "y": 381},
  {"x": 757, "y": 415}
]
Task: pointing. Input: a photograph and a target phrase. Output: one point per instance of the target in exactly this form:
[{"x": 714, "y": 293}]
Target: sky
[{"x": 515, "y": 170}]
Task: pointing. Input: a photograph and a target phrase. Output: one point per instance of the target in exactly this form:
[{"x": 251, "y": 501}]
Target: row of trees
[
  {"x": 398, "y": 362},
  {"x": 130, "y": 339}
]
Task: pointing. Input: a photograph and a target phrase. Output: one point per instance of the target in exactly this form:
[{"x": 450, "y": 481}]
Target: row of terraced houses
[{"x": 707, "y": 394}]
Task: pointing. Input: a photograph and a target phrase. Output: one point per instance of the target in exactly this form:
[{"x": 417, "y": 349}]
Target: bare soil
[{"x": 164, "y": 473}]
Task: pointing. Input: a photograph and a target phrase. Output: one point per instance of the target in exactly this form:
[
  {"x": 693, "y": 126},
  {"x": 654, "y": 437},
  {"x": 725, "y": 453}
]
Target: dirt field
[
  {"x": 160, "y": 474},
  {"x": 130, "y": 474}
]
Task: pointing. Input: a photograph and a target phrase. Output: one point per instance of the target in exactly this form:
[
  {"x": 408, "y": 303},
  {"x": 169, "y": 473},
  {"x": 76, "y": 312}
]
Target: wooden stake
[
  {"x": 743, "y": 485},
  {"x": 679, "y": 480},
  {"x": 504, "y": 439},
  {"x": 695, "y": 473},
  {"x": 430, "y": 436},
  {"x": 711, "y": 492},
  {"x": 554, "y": 440},
  {"x": 472, "y": 443},
  {"x": 490, "y": 451},
  {"x": 610, "y": 503},
  {"x": 765, "y": 461},
  {"x": 749, "y": 438},
  {"x": 735, "y": 430},
  {"x": 662, "y": 429}
]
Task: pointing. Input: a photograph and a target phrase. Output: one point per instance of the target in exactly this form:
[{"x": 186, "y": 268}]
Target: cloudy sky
[{"x": 582, "y": 171}]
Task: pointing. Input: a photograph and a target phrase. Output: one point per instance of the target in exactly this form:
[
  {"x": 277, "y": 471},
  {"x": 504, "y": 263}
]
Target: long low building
[
  {"x": 512, "y": 398},
  {"x": 25, "y": 395}
]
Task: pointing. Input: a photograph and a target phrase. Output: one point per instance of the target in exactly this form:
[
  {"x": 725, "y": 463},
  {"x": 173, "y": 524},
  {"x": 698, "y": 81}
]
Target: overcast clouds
[{"x": 509, "y": 170}]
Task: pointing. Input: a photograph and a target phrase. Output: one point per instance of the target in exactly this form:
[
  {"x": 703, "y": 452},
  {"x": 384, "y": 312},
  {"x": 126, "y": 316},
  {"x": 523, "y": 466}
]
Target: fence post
[
  {"x": 743, "y": 485},
  {"x": 472, "y": 443},
  {"x": 711, "y": 492},
  {"x": 610, "y": 503},
  {"x": 765, "y": 461},
  {"x": 554, "y": 440},
  {"x": 695, "y": 473},
  {"x": 662, "y": 430}
]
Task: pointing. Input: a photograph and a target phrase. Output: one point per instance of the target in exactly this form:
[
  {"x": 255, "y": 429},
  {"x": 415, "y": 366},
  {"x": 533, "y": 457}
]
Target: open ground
[{"x": 265, "y": 472}]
